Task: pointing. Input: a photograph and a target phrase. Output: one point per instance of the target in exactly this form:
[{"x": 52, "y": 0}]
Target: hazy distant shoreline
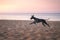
[
  {"x": 26, "y": 16},
  {"x": 22, "y": 20}
]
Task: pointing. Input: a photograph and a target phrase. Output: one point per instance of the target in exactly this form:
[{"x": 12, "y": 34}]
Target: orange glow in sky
[{"x": 29, "y": 6}]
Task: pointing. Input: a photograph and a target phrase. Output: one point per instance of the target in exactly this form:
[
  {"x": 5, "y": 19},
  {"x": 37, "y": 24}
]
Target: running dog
[{"x": 37, "y": 20}]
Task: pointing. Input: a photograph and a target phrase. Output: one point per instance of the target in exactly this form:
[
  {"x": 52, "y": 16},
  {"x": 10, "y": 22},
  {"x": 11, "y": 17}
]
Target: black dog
[{"x": 37, "y": 20}]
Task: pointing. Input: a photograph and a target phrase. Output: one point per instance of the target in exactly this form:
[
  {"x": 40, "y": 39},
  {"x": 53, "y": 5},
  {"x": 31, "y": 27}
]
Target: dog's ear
[{"x": 33, "y": 15}]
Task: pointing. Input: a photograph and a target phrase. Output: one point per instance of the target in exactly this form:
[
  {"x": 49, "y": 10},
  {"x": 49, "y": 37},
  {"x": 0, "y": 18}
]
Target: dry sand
[{"x": 22, "y": 30}]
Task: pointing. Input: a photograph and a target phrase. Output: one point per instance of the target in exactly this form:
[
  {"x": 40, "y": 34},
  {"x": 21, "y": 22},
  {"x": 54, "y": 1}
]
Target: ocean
[{"x": 26, "y": 16}]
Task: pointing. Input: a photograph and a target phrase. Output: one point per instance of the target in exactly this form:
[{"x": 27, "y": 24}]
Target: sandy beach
[{"x": 22, "y": 30}]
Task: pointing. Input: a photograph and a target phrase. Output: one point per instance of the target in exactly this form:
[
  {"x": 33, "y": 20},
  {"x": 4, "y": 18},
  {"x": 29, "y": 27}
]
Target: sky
[
  {"x": 29, "y": 6},
  {"x": 13, "y": 9}
]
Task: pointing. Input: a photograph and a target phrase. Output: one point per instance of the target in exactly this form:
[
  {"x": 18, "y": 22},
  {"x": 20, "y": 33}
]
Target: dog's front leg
[{"x": 33, "y": 22}]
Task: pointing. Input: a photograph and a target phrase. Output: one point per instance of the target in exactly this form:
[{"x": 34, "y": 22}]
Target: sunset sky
[
  {"x": 29, "y": 6},
  {"x": 12, "y": 9}
]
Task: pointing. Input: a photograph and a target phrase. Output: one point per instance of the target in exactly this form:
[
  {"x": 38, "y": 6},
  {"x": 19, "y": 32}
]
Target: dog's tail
[{"x": 47, "y": 19}]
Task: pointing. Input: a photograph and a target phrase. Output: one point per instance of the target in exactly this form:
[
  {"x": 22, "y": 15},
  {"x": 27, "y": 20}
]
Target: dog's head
[{"x": 32, "y": 17}]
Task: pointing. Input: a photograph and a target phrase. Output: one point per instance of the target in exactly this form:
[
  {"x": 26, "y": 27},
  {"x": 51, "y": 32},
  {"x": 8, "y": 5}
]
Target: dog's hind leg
[
  {"x": 47, "y": 24},
  {"x": 43, "y": 24}
]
